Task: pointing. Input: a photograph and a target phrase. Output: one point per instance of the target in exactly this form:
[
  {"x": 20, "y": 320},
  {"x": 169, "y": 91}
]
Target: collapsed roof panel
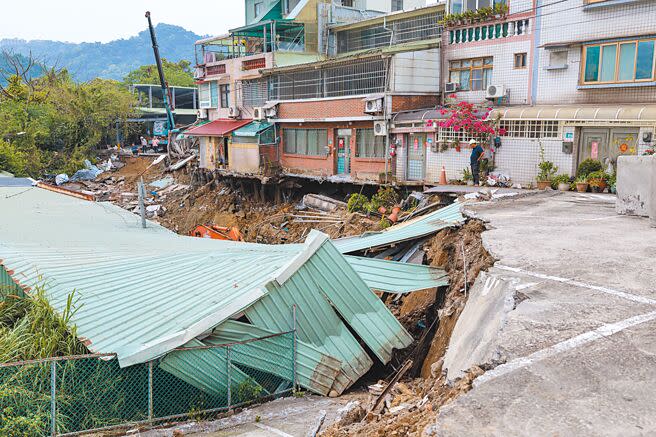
[
  {"x": 410, "y": 230},
  {"x": 397, "y": 277}
]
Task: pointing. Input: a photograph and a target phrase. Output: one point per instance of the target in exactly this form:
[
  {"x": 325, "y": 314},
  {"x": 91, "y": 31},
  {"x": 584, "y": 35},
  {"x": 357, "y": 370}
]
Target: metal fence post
[
  {"x": 294, "y": 347},
  {"x": 53, "y": 398},
  {"x": 150, "y": 391},
  {"x": 228, "y": 373}
]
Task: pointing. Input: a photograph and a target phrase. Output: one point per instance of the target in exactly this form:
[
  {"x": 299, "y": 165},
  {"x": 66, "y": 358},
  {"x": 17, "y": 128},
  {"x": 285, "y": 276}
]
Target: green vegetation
[
  {"x": 560, "y": 179},
  {"x": 51, "y": 123},
  {"x": 176, "y": 74},
  {"x": 547, "y": 168},
  {"x": 589, "y": 166},
  {"x": 385, "y": 197}
]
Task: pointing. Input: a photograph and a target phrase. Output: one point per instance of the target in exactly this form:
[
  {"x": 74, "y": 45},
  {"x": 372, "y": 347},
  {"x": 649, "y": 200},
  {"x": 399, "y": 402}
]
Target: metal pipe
[
  {"x": 228, "y": 376},
  {"x": 150, "y": 391},
  {"x": 53, "y": 398},
  {"x": 142, "y": 204}
]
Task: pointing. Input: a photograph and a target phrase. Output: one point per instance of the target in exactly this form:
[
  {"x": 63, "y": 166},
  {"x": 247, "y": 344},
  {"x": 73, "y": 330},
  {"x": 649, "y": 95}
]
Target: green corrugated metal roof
[
  {"x": 252, "y": 129},
  {"x": 410, "y": 230},
  {"x": 316, "y": 371},
  {"x": 143, "y": 292},
  {"x": 397, "y": 277}
]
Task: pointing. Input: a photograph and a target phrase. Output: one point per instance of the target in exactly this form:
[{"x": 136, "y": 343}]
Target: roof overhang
[
  {"x": 579, "y": 113},
  {"x": 217, "y": 128}
]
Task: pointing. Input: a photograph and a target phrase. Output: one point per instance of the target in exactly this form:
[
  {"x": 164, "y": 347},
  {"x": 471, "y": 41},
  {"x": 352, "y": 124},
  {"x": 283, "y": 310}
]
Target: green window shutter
[
  {"x": 592, "y": 64},
  {"x": 645, "y": 63}
]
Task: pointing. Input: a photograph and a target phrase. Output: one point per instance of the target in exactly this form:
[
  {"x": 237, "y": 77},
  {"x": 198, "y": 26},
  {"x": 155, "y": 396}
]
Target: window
[
  {"x": 214, "y": 94},
  {"x": 311, "y": 142},
  {"x": 224, "y": 91},
  {"x": 204, "y": 95},
  {"x": 458, "y": 6},
  {"x": 520, "y": 60},
  {"x": 471, "y": 74},
  {"x": 531, "y": 128},
  {"x": 397, "y": 5},
  {"x": 620, "y": 62},
  {"x": 257, "y": 9},
  {"x": 557, "y": 60},
  {"x": 368, "y": 144}
]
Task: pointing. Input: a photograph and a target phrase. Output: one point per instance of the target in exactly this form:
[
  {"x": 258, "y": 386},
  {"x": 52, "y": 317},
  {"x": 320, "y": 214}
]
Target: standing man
[
  {"x": 155, "y": 143},
  {"x": 475, "y": 160},
  {"x": 144, "y": 144}
]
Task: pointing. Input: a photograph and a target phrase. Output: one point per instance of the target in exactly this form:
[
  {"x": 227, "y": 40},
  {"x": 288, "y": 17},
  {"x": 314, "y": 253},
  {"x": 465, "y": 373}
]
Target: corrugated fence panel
[{"x": 397, "y": 277}]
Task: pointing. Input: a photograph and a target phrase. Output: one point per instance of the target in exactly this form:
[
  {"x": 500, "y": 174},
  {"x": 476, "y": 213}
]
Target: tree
[
  {"x": 176, "y": 74},
  {"x": 468, "y": 118},
  {"x": 51, "y": 123}
]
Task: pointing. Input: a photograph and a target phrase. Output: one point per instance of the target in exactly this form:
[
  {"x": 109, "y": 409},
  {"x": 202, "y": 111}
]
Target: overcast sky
[{"x": 103, "y": 20}]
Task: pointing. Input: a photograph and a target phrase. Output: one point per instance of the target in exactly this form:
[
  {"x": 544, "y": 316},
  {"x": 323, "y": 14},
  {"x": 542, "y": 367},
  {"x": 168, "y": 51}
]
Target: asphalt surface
[{"x": 576, "y": 353}]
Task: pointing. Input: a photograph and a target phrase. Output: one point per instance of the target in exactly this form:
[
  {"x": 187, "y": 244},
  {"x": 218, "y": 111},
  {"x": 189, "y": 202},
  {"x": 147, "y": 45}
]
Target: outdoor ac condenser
[
  {"x": 373, "y": 106},
  {"x": 495, "y": 92},
  {"x": 258, "y": 114},
  {"x": 201, "y": 113},
  {"x": 233, "y": 112},
  {"x": 380, "y": 128},
  {"x": 451, "y": 87}
]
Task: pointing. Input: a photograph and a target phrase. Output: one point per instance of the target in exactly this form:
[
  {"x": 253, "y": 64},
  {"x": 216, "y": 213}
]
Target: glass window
[
  {"x": 311, "y": 142},
  {"x": 477, "y": 80},
  {"x": 608, "y": 58},
  {"x": 620, "y": 62},
  {"x": 471, "y": 74},
  {"x": 592, "y": 64},
  {"x": 224, "y": 90},
  {"x": 289, "y": 137},
  {"x": 520, "y": 60},
  {"x": 464, "y": 80},
  {"x": 368, "y": 144},
  {"x": 645, "y": 63}
]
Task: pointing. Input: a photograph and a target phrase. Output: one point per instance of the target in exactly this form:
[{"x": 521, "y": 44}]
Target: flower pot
[
  {"x": 581, "y": 187},
  {"x": 396, "y": 210},
  {"x": 542, "y": 185},
  {"x": 563, "y": 186}
]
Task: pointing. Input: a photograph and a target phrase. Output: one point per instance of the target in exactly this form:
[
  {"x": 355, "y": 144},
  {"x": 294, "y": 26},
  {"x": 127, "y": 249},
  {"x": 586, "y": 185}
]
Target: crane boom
[{"x": 170, "y": 122}]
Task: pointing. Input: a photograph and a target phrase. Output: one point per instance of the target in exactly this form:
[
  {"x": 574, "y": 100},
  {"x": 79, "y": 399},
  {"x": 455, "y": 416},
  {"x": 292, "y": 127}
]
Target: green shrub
[
  {"x": 386, "y": 197},
  {"x": 589, "y": 166},
  {"x": 357, "y": 203},
  {"x": 560, "y": 179}
]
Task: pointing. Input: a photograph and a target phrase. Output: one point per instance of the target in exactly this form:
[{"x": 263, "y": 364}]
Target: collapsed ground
[{"x": 179, "y": 204}]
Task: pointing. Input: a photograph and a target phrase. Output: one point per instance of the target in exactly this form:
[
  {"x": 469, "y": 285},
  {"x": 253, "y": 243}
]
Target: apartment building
[{"x": 574, "y": 79}]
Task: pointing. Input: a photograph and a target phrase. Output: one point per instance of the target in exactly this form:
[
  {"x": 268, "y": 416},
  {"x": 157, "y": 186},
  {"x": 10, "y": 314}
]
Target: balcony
[{"x": 490, "y": 31}]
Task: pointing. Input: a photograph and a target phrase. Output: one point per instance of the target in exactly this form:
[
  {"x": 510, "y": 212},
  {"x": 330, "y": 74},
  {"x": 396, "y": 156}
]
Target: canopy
[
  {"x": 251, "y": 130},
  {"x": 579, "y": 112},
  {"x": 216, "y": 128}
]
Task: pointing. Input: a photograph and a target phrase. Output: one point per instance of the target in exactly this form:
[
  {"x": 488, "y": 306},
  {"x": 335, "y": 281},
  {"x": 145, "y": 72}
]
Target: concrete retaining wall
[{"x": 636, "y": 186}]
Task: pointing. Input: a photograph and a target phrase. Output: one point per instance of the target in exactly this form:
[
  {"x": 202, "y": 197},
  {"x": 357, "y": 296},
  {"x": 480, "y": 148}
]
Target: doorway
[
  {"x": 416, "y": 153},
  {"x": 606, "y": 145},
  {"x": 343, "y": 151}
]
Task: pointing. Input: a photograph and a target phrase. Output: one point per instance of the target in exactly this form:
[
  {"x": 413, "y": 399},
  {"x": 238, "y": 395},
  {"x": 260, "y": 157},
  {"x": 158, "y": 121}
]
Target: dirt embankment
[{"x": 413, "y": 404}]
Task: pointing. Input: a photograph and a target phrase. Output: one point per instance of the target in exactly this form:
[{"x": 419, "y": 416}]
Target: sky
[{"x": 103, "y": 20}]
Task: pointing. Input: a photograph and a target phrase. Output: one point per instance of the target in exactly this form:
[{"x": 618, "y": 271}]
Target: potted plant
[
  {"x": 500, "y": 10},
  {"x": 547, "y": 171},
  {"x": 582, "y": 184},
  {"x": 561, "y": 182},
  {"x": 612, "y": 181},
  {"x": 598, "y": 181},
  {"x": 467, "y": 177},
  {"x": 588, "y": 166}
]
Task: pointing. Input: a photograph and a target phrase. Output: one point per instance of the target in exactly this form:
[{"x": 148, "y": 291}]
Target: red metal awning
[{"x": 217, "y": 128}]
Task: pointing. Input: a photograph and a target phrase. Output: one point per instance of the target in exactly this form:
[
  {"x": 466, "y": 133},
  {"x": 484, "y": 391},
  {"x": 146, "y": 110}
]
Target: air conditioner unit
[
  {"x": 271, "y": 111},
  {"x": 451, "y": 87},
  {"x": 380, "y": 128},
  {"x": 495, "y": 92},
  {"x": 373, "y": 106},
  {"x": 259, "y": 114},
  {"x": 233, "y": 112},
  {"x": 201, "y": 113}
]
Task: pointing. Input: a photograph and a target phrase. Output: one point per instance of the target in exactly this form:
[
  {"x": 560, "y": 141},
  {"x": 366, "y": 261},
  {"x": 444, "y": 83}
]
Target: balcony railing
[{"x": 490, "y": 31}]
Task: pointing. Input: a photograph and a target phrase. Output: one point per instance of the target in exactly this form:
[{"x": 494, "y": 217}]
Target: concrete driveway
[{"x": 575, "y": 355}]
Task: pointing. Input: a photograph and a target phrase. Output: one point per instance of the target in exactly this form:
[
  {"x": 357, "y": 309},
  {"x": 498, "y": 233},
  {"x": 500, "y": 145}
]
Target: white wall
[
  {"x": 386, "y": 5},
  {"x": 571, "y": 22},
  {"x": 417, "y": 72}
]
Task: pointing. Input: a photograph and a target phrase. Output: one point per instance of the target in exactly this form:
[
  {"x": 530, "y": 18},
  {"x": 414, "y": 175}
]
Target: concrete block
[
  {"x": 634, "y": 185},
  {"x": 475, "y": 338}
]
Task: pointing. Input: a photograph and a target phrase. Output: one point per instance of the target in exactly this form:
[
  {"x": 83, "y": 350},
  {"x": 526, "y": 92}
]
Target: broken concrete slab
[
  {"x": 473, "y": 341},
  {"x": 634, "y": 185}
]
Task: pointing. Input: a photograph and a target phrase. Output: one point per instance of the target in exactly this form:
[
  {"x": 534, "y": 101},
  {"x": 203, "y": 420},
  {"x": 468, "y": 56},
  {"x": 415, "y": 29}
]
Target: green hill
[{"x": 112, "y": 60}]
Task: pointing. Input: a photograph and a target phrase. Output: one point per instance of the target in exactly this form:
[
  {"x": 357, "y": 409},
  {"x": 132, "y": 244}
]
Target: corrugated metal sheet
[
  {"x": 205, "y": 369},
  {"x": 397, "y": 277},
  {"x": 578, "y": 112},
  {"x": 316, "y": 371},
  {"x": 410, "y": 230}
]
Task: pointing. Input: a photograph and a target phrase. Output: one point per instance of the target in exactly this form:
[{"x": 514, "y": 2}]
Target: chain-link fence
[{"x": 60, "y": 396}]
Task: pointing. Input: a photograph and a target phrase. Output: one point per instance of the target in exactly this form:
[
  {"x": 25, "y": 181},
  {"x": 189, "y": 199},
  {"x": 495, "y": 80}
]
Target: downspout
[
  {"x": 535, "y": 61},
  {"x": 385, "y": 117}
]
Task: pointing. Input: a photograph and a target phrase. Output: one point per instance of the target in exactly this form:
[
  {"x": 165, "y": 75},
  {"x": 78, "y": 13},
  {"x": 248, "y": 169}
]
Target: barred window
[
  {"x": 531, "y": 128},
  {"x": 368, "y": 144},
  {"x": 311, "y": 142},
  {"x": 255, "y": 92},
  {"x": 448, "y": 134}
]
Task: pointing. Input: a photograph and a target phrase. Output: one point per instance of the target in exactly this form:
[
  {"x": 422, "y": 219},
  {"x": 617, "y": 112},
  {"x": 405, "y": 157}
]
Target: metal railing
[
  {"x": 484, "y": 32},
  {"x": 70, "y": 395}
]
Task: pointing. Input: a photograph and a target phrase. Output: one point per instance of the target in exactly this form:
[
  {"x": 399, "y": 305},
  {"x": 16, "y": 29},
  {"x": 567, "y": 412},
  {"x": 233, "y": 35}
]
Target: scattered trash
[
  {"x": 162, "y": 183},
  {"x": 61, "y": 178},
  {"x": 323, "y": 203},
  {"x": 89, "y": 173}
]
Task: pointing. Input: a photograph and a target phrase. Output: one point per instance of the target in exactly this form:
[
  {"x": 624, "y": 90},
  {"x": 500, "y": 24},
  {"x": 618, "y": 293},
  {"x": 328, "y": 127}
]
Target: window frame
[
  {"x": 303, "y": 134},
  {"x": 377, "y": 144},
  {"x": 224, "y": 95},
  {"x": 618, "y": 45},
  {"x": 483, "y": 67},
  {"x": 524, "y": 64}
]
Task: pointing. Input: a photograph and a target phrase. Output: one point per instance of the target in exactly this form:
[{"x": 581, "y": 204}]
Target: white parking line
[
  {"x": 618, "y": 293},
  {"x": 273, "y": 430},
  {"x": 574, "y": 342}
]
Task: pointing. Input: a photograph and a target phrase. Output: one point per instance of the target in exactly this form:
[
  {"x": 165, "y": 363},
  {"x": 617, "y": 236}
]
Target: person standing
[
  {"x": 475, "y": 160},
  {"x": 144, "y": 144},
  {"x": 155, "y": 143}
]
